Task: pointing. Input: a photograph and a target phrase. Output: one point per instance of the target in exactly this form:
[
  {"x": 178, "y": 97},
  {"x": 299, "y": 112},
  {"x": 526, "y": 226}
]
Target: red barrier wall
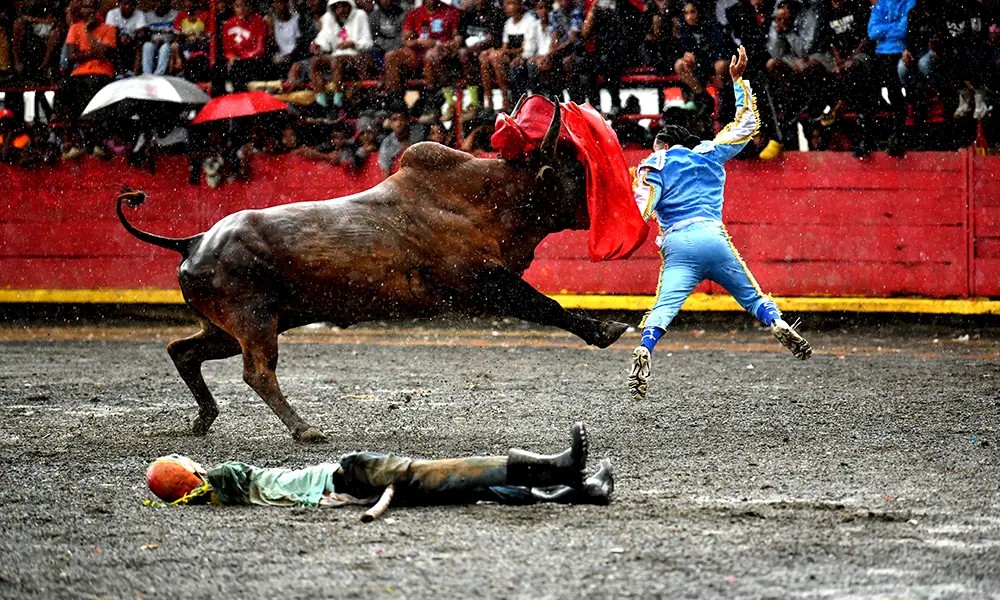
[
  {"x": 811, "y": 224},
  {"x": 985, "y": 223},
  {"x": 820, "y": 224},
  {"x": 60, "y": 230}
]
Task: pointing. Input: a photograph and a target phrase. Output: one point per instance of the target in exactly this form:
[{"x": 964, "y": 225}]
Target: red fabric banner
[{"x": 616, "y": 227}]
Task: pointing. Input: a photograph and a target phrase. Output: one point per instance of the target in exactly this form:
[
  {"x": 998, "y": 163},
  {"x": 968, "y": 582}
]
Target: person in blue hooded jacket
[
  {"x": 887, "y": 27},
  {"x": 682, "y": 183}
]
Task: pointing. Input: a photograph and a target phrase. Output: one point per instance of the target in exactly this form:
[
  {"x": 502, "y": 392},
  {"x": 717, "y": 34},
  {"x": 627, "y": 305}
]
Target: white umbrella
[{"x": 136, "y": 92}]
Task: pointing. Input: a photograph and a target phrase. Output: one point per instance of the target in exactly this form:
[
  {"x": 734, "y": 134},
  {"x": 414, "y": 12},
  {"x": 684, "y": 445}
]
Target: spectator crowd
[{"x": 859, "y": 75}]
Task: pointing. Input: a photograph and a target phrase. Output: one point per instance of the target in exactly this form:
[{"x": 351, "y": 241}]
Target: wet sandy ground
[{"x": 871, "y": 471}]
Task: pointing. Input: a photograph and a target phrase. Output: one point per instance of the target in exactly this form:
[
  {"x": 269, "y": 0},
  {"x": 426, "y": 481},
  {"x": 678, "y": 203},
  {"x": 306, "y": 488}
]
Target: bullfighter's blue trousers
[{"x": 703, "y": 250}]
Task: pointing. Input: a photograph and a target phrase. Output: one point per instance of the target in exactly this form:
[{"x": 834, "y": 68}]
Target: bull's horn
[
  {"x": 551, "y": 139},
  {"x": 517, "y": 106}
]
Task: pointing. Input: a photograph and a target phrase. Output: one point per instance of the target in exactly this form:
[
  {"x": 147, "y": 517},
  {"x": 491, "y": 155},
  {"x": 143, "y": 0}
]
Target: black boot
[
  {"x": 597, "y": 489},
  {"x": 537, "y": 470},
  {"x": 599, "y": 486}
]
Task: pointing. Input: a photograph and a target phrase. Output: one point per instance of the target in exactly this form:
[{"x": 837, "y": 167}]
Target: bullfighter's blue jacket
[{"x": 679, "y": 184}]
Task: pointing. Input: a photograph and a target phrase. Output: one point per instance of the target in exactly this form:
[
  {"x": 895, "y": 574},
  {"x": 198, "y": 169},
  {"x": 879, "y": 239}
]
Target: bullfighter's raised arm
[{"x": 744, "y": 126}]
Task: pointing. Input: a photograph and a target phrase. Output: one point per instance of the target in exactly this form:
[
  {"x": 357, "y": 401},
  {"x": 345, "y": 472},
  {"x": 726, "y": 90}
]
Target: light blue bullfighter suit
[{"x": 681, "y": 183}]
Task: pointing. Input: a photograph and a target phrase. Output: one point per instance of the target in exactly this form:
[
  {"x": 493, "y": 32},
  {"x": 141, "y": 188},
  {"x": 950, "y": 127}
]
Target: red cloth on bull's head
[{"x": 616, "y": 227}]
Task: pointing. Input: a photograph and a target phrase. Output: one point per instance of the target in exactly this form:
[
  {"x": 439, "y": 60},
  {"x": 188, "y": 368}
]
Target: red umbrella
[{"x": 242, "y": 104}]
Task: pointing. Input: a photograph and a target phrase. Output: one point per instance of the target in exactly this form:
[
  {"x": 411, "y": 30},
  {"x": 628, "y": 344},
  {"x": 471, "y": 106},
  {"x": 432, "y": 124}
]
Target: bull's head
[{"x": 560, "y": 178}]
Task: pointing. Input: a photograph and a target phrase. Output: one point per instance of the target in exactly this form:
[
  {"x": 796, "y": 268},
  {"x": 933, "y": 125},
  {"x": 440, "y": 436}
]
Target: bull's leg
[
  {"x": 211, "y": 343},
  {"x": 260, "y": 359},
  {"x": 503, "y": 293}
]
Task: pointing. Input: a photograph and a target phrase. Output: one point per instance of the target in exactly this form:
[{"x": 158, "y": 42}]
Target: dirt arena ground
[{"x": 871, "y": 471}]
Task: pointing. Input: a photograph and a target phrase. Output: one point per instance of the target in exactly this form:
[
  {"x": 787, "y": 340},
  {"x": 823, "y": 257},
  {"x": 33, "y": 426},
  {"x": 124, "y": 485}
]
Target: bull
[{"x": 448, "y": 232}]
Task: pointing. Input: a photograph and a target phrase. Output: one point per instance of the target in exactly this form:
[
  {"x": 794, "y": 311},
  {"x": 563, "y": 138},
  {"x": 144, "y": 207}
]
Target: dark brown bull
[{"x": 448, "y": 232}]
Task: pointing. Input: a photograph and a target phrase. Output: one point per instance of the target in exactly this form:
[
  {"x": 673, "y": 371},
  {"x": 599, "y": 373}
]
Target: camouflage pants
[{"x": 450, "y": 481}]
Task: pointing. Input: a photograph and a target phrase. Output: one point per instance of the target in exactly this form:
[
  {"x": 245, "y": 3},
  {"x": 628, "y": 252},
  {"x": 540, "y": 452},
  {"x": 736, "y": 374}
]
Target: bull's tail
[{"x": 134, "y": 198}]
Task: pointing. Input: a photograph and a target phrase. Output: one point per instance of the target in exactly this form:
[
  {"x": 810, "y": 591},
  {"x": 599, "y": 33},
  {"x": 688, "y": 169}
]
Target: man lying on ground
[{"x": 521, "y": 477}]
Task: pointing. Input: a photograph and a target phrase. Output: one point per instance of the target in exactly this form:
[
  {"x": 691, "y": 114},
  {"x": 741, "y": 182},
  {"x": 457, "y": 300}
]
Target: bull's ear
[
  {"x": 517, "y": 106},
  {"x": 551, "y": 140},
  {"x": 545, "y": 175}
]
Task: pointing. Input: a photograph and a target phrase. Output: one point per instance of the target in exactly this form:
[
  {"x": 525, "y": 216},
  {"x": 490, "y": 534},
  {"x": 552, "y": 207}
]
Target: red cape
[{"x": 616, "y": 227}]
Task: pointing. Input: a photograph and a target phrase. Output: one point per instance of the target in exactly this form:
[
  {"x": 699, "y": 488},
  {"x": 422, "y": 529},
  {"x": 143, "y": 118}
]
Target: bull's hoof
[
  {"x": 608, "y": 333},
  {"x": 202, "y": 424},
  {"x": 309, "y": 435}
]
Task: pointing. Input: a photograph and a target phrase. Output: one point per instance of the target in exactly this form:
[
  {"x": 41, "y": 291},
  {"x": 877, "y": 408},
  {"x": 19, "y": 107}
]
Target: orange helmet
[{"x": 174, "y": 476}]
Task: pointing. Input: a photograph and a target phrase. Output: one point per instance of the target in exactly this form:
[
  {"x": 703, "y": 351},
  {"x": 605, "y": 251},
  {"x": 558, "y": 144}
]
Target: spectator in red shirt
[
  {"x": 244, "y": 41},
  {"x": 431, "y": 40}
]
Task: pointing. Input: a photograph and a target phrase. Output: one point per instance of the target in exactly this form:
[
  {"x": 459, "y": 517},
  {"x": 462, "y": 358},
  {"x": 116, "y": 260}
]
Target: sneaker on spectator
[
  {"x": 73, "y": 153},
  {"x": 964, "y": 103},
  {"x": 982, "y": 108},
  {"x": 771, "y": 151}
]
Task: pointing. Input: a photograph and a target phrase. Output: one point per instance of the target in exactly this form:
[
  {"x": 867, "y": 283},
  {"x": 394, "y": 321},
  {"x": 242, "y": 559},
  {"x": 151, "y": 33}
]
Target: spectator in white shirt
[
  {"x": 342, "y": 47},
  {"x": 159, "y": 36},
  {"x": 130, "y": 24},
  {"x": 522, "y": 35},
  {"x": 285, "y": 28}
]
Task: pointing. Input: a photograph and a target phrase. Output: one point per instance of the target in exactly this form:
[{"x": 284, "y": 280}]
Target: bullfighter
[{"x": 682, "y": 182}]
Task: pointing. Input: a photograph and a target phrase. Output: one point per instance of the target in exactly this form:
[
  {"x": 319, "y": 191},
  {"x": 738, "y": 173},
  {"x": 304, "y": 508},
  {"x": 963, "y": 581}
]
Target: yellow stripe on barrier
[
  {"x": 141, "y": 296},
  {"x": 711, "y": 302},
  {"x": 697, "y": 302}
]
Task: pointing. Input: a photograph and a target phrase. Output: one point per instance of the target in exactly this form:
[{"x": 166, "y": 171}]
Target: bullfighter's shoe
[
  {"x": 639, "y": 374},
  {"x": 538, "y": 470},
  {"x": 790, "y": 339}
]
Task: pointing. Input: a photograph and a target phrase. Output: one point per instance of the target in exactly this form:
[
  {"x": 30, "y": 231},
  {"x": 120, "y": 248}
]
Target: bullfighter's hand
[{"x": 738, "y": 64}]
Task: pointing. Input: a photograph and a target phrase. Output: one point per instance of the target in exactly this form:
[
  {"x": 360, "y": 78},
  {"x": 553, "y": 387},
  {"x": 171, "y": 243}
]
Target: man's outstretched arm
[{"x": 735, "y": 135}]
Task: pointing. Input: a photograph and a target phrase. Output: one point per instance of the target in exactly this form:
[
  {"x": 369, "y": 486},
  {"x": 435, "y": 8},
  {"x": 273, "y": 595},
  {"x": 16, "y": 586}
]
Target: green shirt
[{"x": 239, "y": 483}]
